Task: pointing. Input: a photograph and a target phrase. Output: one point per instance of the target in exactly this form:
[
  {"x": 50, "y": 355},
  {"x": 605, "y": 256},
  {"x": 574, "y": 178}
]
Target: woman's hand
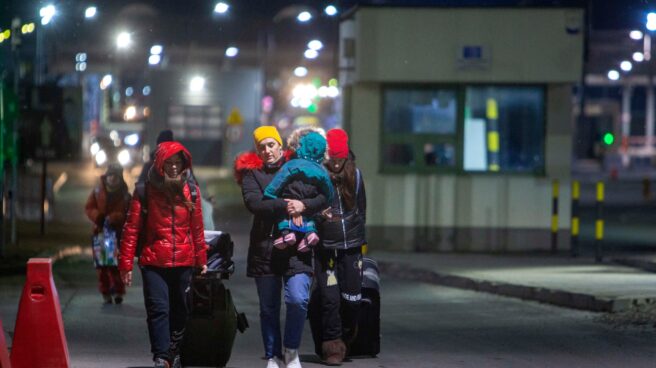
[
  {"x": 203, "y": 270},
  {"x": 294, "y": 207},
  {"x": 297, "y": 220},
  {"x": 126, "y": 276}
]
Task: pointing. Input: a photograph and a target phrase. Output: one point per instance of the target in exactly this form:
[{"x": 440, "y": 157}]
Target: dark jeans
[
  {"x": 339, "y": 280},
  {"x": 165, "y": 295}
]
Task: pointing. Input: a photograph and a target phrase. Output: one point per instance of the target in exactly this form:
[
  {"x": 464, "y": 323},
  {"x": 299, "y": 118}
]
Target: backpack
[{"x": 141, "y": 194}]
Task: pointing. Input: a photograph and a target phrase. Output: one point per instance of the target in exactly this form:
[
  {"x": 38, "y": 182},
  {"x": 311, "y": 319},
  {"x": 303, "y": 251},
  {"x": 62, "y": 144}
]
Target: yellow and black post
[
  {"x": 492, "y": 114},
  {"x": 574, "y": 243},
  {"x": 599, "y": 222},
  {"x": 554, "y": 217}
]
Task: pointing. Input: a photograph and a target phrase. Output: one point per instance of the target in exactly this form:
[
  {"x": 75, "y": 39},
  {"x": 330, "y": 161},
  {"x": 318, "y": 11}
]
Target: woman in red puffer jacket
[{"x": 173, "y": 245}]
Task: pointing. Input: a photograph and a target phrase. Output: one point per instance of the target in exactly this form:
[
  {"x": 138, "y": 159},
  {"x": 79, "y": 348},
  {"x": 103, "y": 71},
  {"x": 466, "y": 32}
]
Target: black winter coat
[
  {"x": 345, "y": 229},
  {"x": 263, "y": 258}
]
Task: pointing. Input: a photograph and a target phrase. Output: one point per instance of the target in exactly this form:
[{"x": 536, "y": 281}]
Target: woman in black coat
[
  {"x": 271, "y": 267},
  {"x": 339, "y": 256}
]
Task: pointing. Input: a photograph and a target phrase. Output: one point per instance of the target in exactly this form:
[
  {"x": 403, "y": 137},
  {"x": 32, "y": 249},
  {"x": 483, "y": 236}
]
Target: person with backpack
[
  {"x": 169, "y": 218},
  {"x": 338, "y": 259},
  {"x": 106, "y": 207},
  {"x": 275, "y": 269}
]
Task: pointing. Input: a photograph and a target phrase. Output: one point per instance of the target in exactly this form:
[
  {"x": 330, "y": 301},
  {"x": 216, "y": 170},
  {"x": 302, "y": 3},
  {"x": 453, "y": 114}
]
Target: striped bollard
[
  {"x": 599, "y": 222},
  {"x": 574, "y": 244},
  {"x": 554, "y": 217}
]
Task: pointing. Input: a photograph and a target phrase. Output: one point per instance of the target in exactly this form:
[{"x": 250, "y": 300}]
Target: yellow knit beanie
[{"x": 264, "y": 132}]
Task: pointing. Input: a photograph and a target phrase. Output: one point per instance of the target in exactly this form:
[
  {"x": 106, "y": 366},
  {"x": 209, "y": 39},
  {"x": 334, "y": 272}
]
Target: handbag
[{"x": 105, "y": 247}]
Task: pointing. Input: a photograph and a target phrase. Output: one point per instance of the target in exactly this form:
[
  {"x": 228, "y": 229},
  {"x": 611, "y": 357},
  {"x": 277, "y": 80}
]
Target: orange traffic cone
[
  {"x": 39, "y": 339},
  {"x": 4, "y": 354}
]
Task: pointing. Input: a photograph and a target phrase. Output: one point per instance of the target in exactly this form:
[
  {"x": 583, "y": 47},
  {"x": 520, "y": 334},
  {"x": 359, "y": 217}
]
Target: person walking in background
[
  {"x": 106, "y": 207},
  {"x": 171, "y": 222},
  {"x": 339, "y": 255},
  {"x": 273, "y": 268}
]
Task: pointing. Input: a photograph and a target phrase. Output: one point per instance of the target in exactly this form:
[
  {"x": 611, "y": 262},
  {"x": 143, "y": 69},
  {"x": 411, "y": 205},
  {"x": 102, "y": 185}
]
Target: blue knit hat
[{"x": 312, "y": 147}]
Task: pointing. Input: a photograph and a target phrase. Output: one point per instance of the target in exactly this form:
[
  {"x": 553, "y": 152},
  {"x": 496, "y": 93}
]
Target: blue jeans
[{"x": 297, "y": 295}]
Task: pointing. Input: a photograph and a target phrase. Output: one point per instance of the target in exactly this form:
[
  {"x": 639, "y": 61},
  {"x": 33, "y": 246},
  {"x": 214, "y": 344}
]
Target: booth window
[
  {"x": 420, "y": 129},
  {"x": 463, "y": 129},
  {"x": 504, "y": 129}
]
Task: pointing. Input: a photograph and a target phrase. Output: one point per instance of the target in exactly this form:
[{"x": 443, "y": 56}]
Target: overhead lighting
[
  {"x": 231, "y": 51},
  {"x": 106, "y": 81},
  {"x": 635, "y": 35},
  {"x": 315, "y": 45},
  {"x": 81, "y": 57},
  {"x": 311, "y": 54},
  {"x": 613, "y": 75},
  {"x": 47, "y": 13},
  {"x": 304, "y": 16},
  {"x": 300, "y": 71},
  {"x": 131, "y": 139},
  {"x": 90, "y": 12},
  {"x": 626, "y": 66},
  {"x": 129, "y": 91},
  {"x": 123, "y": 157},
  {"x": 156, "y": 49},
  {"x": 330, "y": 10},
  {"x": 95, "y": 147},
  {"x": 146, "y": 91},
  {"x": 154, "y": 59},
  {"x": 123, "y": 40},
  {"x": 197, "y": 84},
  {"x": 101, "y": 157},
  {"x": 638, "y": 57},
  {"x": 221, "y": 8},
  {"x": 130, "y": 114}
]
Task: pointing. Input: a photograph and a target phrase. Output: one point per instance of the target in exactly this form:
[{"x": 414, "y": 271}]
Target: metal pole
[
  {"x": 599, "y": 223},
  {"x": 574, "y": 243},
  {"x": 627, "y": 93},
  {"x": 14, "y": 141},
  {"x": 44, "y": 169},
  {"x": 2, "y": 167},
  {"x": 649, "y": 115},
  {"x": 554, "y": 217}
]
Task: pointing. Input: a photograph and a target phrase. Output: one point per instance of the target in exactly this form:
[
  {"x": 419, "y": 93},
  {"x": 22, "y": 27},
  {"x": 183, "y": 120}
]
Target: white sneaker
[
  {"x": 291, "y": 358},
  {"x": 275, "y": 363}
]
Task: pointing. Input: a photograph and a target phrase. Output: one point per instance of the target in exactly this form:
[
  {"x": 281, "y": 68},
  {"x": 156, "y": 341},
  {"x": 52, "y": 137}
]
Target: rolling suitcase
[
  {"x": 213, "y": 324},
  {"x": 367, "y": 341}
]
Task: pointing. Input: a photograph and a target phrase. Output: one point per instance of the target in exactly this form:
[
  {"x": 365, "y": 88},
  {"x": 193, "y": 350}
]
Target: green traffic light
[{"x": 609, "y": 138}]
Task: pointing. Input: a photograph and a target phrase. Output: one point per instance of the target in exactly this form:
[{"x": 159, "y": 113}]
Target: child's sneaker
[
  {"x": 290, "y": 238},
  {"x": 303, "y": 246},
  {"x": 280, "y": 243},
  {"x": 312, "y": 239}
]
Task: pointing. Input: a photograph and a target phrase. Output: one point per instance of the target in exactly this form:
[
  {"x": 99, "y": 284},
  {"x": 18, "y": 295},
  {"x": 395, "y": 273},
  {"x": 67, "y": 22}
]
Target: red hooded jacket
[{"x": 174, "y": 234}]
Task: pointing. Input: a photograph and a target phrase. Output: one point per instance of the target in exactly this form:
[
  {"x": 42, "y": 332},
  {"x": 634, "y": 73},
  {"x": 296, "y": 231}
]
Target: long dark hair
[{"x": 343, "y": 176}]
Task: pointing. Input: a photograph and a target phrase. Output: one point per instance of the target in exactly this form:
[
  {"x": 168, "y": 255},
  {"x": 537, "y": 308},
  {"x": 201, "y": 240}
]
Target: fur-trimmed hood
[{"x": 249, "y": 161}]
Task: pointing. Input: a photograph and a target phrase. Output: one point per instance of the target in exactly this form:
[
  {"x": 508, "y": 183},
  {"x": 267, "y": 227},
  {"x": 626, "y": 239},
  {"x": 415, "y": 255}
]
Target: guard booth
[{"x": 471, "y": 110}]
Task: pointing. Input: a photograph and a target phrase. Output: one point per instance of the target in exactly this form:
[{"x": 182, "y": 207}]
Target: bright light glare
[
  {"x": 231, "y": 51},
  {"x": 90, "y": 12},
  {"x": 613, "y": 75},
  {"x": 130, "y": 114},
  {"x": 48, "y": 11},
  {"x": 638, "y": 57},
  {"x": 651, "y": 25},
  {"x": 156, "y": 49},
  {"x": 221, "y": 8},
  {"x": 315, "y": 45},
  {"x": 311, "y": 54},
  {"x": 101, "y": 157},
  {"x": 95, "y": 147},
  {"x": 131, "y": 139},
  {"x": 635, "y": 35},
  {"x": 123, "y": 40},
  {"x": 106, "y": 81},
  {"x": 626, "y": 66},
  {"x": 197, "y": 84},
  {"x": 307, "y": 91},
  {"x": 123, "y": 157},
  {"x": 330, "y": 10},
  {"x": 300, "y": 71},
  {"x": 304, "y": 17},
  {"x": 154, "y": 59},
  {"x": 146, "y": 90}
]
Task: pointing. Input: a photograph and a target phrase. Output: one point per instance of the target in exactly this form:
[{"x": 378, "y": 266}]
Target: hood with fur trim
[{"x": 251, "y": 161}]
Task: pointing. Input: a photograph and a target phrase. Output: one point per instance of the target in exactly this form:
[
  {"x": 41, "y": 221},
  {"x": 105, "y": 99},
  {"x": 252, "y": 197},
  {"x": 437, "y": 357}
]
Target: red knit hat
[{"x": 337, "y": 143}]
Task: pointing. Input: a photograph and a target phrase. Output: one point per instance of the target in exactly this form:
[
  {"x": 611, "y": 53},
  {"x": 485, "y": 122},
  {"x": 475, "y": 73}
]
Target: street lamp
[
  {"x": 311, "y": 54},
  {"x": 626, "y": 66},
  {"x": 613, "y": 75},
  {"x": 330, "y": 10},
  {"x": 123, "y": 40},
  {"x": 47, "y": 13},
  {"x": 231, "y": 52},
  {"x": 90, "y": 12},
  {"x": 221, "y": 8},
  {"x": 635, "y": 35},
  {"x": 315, "y": 45},
  {"x": 304, "y": 16},
  {"x": 197, "y": 84},
  {"x": 300, "y": 71},
  {"x": 651, "y": 21},
  {"x": 156, "y": 49},
  {"x": 638, "y": 57}
]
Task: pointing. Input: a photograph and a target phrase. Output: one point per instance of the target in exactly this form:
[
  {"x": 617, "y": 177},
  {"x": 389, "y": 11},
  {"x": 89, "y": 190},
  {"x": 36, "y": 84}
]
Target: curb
[
  {"x": 543, "y": 295},
  {"x": 648, "y": 266}
]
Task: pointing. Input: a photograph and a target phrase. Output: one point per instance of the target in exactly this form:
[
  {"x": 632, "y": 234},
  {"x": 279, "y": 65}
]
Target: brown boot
[{"x": 333, "y": 352}]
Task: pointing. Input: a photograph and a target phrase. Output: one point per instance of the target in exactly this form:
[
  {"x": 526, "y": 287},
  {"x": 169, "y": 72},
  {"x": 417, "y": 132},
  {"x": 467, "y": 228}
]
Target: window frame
[{"x": 457, "y": 139}]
